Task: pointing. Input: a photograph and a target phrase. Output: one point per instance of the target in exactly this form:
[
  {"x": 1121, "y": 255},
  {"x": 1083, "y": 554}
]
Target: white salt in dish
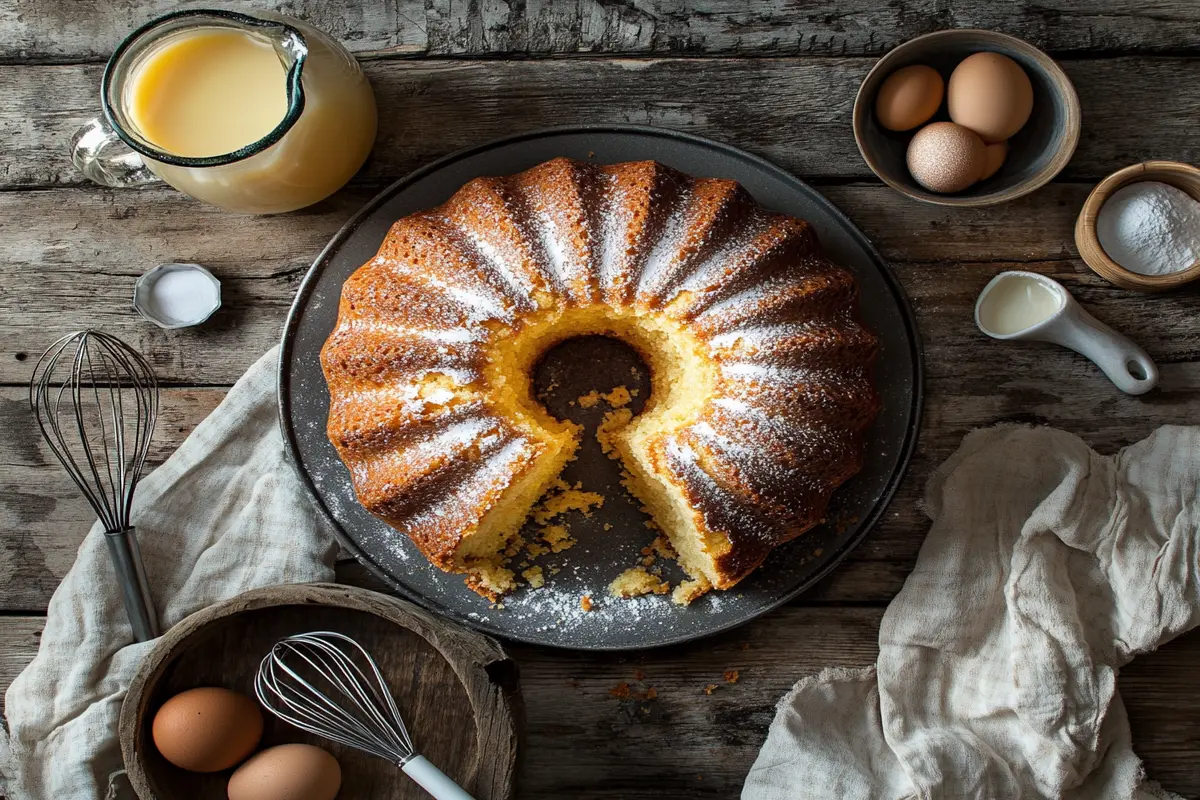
[{"x": 177, "y": 295}]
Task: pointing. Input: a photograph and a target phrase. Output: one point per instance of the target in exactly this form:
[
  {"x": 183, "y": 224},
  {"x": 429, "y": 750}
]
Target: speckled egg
[{"x": 944, "y": 157}]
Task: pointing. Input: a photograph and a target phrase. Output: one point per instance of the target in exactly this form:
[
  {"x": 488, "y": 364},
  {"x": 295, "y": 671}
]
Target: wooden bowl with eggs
[
  {"x": 457, "y": 690},
  {"x": 1038, "y": 151}
]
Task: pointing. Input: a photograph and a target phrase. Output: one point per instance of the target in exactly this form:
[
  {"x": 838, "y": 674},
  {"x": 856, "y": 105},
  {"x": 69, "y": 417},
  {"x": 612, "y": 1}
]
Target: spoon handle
[{"x": 1128, "y": 366}]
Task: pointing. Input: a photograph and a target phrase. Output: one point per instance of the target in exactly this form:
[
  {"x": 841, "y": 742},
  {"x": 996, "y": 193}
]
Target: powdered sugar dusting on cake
[
  {"x": 666, "y": 257},
  {"x": 519, "y": 288},
  {"x": 478, "y": 484},
  {"x": 568, "y": 234}
]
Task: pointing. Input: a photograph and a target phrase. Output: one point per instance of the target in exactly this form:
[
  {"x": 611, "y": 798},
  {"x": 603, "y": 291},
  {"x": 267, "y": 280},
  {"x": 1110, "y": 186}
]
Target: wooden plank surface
[
  {"x": 88, "y": 30},
  {"x": 792, "y": 111},
  {"x": 776, "y": 77},
  {"x": 684, "y": 743}
]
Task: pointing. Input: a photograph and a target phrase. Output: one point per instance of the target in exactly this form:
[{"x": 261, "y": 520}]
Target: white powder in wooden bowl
[{"x": 1150, "y": 228}]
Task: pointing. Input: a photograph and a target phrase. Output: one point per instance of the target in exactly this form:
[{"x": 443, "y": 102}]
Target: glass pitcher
[{"x": 321, "y": 141}]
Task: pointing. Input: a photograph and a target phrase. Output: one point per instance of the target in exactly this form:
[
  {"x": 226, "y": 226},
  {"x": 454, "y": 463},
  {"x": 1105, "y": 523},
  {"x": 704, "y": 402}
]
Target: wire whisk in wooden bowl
[
  {"x": 96, "y": 400},
  {"x": 326, "y": 684}
]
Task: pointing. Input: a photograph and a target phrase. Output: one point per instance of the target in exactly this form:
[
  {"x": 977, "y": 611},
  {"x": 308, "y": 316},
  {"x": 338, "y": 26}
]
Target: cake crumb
[
  {"x": 613, "y": 421},
  {"x": 608, "y": 526},
  {"x": 491, "y": 582},
  {"x": 731, "y": 676},
  {"x": 535, "y": 577},
  {"x": 563, "y": 498},
  {"x": 620, "y": 691},
  {"x": 557, "y": 538},
  {"x": 648, "y": 561},
  {"x": 555, "y": 570},
  {"x": 687, "y": 591},
  {"x": 635, "y": 582},
  {"x": 585, "y": 602},
  {"x": 588, "y": 400},
  {"x": 710, "y": 688},
  {"x": 651, "y": 693},
  {"x": 617, "y": 398},
  {"x": 661, "y": 546}
]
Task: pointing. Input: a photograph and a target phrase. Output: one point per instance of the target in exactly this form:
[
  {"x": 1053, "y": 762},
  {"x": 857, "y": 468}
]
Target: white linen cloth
[
  {"x": 224, "y": 514},
  {"x": 1047, "y": 568}
]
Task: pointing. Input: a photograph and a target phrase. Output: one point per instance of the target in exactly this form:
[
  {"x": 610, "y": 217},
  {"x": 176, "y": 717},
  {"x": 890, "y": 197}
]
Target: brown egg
[
  {"x": 207, "y": 729},
  {"x": 909, "y": 97},
  {"x": 287, "y": 772},
  {"x": 993, "y": 158},
  {"x": 990, "y": 94},
  {"x": 944, "y": 157}
]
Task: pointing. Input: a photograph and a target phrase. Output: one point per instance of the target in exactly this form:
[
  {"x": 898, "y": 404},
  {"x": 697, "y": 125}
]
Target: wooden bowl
[
  {"x": 1036, "y": 153},
  {"x": 1181, "y": 176},
  {"x": 456, "y": 688}
]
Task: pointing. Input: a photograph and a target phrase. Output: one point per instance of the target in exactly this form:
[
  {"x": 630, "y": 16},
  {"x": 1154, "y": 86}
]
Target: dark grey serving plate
[{"x": 610, "y": 539}]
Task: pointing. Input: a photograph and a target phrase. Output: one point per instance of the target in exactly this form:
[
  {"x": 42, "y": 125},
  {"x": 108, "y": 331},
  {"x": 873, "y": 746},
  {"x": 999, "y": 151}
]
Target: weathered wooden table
[{"x": 777, "y": 78}]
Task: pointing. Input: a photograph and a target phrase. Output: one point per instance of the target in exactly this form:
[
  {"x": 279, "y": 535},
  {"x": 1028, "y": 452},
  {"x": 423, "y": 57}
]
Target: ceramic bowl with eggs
[{"x": 973, "y": 118}]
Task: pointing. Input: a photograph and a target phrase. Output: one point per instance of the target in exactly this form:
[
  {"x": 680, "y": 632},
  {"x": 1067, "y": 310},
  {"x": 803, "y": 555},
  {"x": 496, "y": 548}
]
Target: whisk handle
[
  {"x": 433, "y": 780},
  {"x": 131, "y": 577}
]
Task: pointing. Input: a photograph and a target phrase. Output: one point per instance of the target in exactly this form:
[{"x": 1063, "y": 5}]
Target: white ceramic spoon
[{"x": 1126, "y": 365}]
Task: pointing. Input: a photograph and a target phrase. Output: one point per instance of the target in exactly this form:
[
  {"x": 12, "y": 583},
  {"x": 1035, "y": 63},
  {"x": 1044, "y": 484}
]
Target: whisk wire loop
[
  {"x": 325, "y": 683},
  {"x": 88, "y": 373},
  {"x": 316, "y": 709}
]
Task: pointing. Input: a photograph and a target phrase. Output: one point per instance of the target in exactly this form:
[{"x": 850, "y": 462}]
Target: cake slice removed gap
[{"x": 681, "y": 384}]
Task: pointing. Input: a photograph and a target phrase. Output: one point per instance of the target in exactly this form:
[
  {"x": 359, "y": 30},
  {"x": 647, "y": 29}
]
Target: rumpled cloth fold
[
  {"x": 1046, "y": 569},
  {"x": 224, "y": 514}
]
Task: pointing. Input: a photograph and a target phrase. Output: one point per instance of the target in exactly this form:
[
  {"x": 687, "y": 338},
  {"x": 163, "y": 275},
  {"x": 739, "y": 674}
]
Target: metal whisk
[
  {"x": 96, "y": 401},
  {"x": 325, "y": 683}
]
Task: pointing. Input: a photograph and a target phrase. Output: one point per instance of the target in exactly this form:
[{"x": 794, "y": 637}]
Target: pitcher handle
[{"x": 101, "y": 156}]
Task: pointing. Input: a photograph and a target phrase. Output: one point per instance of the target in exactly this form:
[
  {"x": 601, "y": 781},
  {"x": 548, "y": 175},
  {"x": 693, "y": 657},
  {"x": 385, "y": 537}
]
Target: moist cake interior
[{"x": 681, "y": 382}]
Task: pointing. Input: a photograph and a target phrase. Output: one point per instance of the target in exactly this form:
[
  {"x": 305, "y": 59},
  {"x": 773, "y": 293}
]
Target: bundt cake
[{"x": 761, "y": 382}]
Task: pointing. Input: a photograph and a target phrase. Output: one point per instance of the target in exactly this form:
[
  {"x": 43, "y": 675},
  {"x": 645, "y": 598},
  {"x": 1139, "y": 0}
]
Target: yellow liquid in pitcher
[
  {"x": 208, "y": 93},
  {"x": 211, "y": 91}
]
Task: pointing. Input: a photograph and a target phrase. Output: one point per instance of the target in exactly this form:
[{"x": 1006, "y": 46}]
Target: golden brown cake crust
[{"x": 415, "y": 416}]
